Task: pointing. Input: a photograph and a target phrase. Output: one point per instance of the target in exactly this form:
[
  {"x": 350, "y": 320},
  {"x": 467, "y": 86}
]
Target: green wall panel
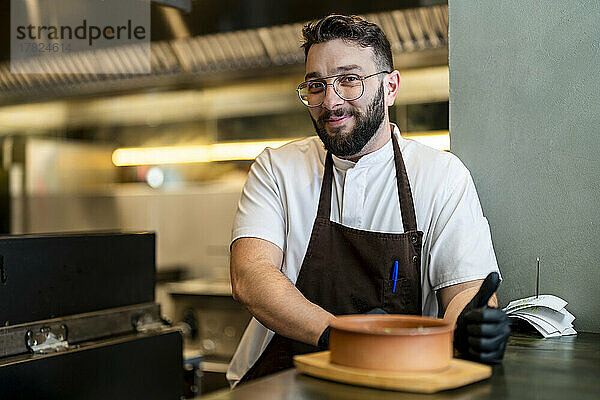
[{"x": 525, "y": 119}]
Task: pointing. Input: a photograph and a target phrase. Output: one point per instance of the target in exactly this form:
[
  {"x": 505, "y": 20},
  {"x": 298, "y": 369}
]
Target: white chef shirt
[{"x": 279, "y": 204}]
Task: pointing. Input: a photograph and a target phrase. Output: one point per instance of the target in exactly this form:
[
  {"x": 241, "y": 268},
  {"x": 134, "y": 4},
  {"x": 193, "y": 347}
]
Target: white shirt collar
[{"x": 379, "y": 156}]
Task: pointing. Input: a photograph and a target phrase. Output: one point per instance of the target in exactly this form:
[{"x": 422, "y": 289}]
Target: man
[{"x": 359, "y": 221}]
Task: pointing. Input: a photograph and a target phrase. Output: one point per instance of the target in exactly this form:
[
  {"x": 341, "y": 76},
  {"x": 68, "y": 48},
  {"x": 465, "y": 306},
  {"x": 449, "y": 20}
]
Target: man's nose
[{"x": 332, "y": 99}]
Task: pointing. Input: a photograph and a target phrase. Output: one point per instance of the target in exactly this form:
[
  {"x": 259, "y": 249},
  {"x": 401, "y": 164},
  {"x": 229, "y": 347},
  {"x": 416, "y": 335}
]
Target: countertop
[
  {"x": 200, "y": 287},
  {"x": 533, "y": 368}
]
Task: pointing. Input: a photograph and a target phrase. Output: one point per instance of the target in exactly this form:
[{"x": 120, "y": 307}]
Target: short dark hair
[{"x": 350, "y": 28}]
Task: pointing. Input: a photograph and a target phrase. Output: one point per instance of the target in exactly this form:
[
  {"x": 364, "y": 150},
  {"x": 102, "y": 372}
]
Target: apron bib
[{"x": 350, "y": 271}]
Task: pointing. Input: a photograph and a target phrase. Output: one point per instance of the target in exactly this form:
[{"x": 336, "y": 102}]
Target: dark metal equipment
[
  {"x": 136, "y": 366},
  {"x": 50, "y": 276},
  {"x": 79, "y": 319}
]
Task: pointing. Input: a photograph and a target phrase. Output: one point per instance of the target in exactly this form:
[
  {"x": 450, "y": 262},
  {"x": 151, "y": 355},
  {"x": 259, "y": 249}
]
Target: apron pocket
[{"x": 401, "y": 301}]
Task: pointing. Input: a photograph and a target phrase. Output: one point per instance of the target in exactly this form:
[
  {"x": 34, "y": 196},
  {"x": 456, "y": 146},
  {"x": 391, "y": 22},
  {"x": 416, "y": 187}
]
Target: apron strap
[
  {"x": 324, "y": 210},
  {"x": 407, "y": 208}
]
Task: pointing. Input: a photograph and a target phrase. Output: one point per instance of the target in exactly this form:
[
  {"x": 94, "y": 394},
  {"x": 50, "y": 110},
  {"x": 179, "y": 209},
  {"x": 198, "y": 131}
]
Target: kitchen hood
[{"x": 418, "y": 36}]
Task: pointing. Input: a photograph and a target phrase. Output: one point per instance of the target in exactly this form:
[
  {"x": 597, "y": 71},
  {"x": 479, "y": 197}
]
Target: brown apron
[{"x": 350, "y": 271}]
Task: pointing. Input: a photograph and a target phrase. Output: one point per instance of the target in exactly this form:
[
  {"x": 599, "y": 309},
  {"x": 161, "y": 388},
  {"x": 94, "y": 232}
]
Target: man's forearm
[
  {"x": 454, "y": 298},
  {"x": 280, "y": 306},
  {"x": 271, "y": 297}
]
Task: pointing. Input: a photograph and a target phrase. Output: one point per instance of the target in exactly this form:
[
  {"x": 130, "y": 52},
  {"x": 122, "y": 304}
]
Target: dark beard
[{"x": 365, "y": 127}]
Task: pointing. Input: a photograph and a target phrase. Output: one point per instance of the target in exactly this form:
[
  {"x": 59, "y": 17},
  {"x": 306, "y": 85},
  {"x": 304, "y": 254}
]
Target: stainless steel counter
[
  {"x": 533, "y": 368},
  {"x": 218, "y": 322},
  {"x": 200, "y": 287}
]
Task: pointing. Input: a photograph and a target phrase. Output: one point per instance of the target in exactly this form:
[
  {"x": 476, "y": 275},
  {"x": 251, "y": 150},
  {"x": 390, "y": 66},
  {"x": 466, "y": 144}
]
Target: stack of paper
[{"x": 546, "y": 313}]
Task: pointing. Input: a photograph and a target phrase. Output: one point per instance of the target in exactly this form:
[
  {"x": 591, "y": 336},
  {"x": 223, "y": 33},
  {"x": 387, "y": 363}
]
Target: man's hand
[{"x": 482, "y": 331}]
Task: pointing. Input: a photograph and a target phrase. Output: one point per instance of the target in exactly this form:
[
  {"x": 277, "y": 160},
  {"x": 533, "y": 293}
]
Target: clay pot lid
[{"x": 397, "y": 325}]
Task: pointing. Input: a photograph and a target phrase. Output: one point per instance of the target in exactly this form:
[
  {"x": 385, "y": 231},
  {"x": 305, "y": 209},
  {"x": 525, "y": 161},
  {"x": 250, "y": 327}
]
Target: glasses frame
[{"x": 337, "y": 77}]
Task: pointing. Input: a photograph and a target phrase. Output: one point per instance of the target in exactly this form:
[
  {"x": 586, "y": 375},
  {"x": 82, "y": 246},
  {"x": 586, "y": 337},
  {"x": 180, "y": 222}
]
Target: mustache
[{"x": 327, "y": 114}]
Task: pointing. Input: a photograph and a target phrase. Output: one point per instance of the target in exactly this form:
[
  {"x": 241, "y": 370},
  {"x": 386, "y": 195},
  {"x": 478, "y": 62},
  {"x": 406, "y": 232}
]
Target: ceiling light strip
[{"x": 233, "y": 151}]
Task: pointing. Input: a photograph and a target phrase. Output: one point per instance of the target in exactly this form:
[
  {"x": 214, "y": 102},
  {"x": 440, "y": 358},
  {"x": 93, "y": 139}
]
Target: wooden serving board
[{"x": 460, "y": 373}]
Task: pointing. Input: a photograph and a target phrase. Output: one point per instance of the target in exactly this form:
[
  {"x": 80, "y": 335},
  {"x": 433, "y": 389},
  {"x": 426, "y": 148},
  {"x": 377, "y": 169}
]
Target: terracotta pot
[{"x": 401, "y": 343}]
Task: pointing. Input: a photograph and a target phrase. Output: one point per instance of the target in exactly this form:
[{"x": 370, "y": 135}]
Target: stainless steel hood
[{"x": 418, "y": 37}]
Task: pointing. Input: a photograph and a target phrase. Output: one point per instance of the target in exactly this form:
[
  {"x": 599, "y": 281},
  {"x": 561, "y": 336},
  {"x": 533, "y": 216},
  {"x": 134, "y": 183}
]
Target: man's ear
[{"x": 391, "y": 87}]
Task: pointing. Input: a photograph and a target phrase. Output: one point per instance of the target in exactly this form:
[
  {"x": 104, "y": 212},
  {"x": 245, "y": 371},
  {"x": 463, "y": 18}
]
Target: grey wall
[{"x": 525, "y": 119}]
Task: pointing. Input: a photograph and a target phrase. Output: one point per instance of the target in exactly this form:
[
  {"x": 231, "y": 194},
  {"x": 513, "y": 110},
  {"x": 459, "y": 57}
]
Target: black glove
[
  {"x": 324, "y": 338},
  {"x": 482, "y": 332}
]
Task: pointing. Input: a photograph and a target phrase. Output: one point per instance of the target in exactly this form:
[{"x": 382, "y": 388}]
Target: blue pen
[{"x": 395, "y": 276}]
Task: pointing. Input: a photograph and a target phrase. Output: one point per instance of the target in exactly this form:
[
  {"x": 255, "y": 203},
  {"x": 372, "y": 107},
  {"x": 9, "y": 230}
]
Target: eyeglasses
[{"x": 348, "y": 86}]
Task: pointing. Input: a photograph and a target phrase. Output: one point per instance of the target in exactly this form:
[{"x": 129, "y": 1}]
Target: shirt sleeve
[
  {"x": 260, "y": 211},
  {"x": 461, "y": 247}
]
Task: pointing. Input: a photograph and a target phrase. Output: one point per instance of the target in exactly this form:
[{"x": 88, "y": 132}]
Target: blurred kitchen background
[{"x": 169, "y": 151}]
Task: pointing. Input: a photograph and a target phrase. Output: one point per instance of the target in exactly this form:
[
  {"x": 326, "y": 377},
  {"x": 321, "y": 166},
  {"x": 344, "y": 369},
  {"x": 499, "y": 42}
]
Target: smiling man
[{"x": 357, "y": 220}]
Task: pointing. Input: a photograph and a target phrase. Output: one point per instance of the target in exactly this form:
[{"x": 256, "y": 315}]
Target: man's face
[{"x": 345, "y": 127}]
